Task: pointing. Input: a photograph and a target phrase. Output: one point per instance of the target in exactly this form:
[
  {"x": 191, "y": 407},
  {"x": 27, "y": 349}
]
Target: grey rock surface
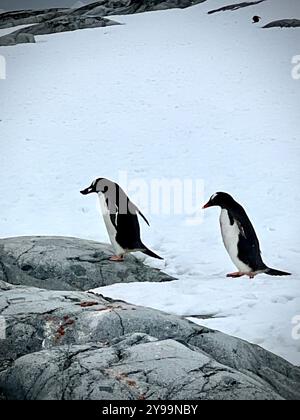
[
  {"x": 16, "y": 38},
  {"x": 7, "y": 40},
  {"x": 124, "y": 7},
  {"x": 24, "y": 17},
  {"x": 96, "y": 9},
  {"x": 57, "y": 20},
  {"x": 24, "y": 38},
  {"x": 76, "y": 345},
  {"x": 236, "y": 6},
  {"x": 137, "y": 367},
  {"x": 60, "y": 263},
  {"x": 67, "y": 23},
  {"x": 284, "y": 23},
  {"x": 63, "y": 23}
]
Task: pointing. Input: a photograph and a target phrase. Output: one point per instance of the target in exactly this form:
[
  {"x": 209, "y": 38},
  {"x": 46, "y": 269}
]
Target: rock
[
  {"x": 75, "y": 345},
  {"x": 7, "y": 40},
  {"x": 237, "y": 6},
  {"x": 16, "y": 38},
  {"x": 284, "y": 23},
  {"x": 64, "y": 23},
  {"x": 59, "y": 263},
  {"x": 124, "y": 7},
  {"x": 68, "y": 23},
  {"x": 144, "y": 368},
  {"x": 23, "y": 38},
  {"x": 95, "y": 9},
  {"x": 27, "y": 17},
  {"x": 57, "y": 20}
]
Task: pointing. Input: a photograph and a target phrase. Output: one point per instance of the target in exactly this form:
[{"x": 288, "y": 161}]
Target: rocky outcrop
[
  {"x": 19, "y": 37},
  {"x": 75, "y": 345},
  {"x": 284, "y": 23},
  {"x": 28, "y": 17},
  {"x": 64, "y": 23},
  {"x": 60, "y": 263},
  {"x": 136, "y": 367},
  {"x": 126, "y": 7},
  {"x": 68, "y": 23},
  {"x": 69, "y": 344},
  {"x": 237, "y": 6},
  {"x": 57, "y": 20}
]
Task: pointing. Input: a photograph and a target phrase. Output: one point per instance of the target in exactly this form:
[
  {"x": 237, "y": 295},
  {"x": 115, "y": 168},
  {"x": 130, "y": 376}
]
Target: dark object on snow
[
  {"x": 240, "y": 238},
  {"x": 284, "y": 23},
  {"x": 121, "y": 219},
  {"x": 256, "y": 19}
]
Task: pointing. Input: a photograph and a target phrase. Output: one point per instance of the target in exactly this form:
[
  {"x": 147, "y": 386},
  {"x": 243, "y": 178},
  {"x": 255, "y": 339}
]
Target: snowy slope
[{"x": 172, "y": 94}]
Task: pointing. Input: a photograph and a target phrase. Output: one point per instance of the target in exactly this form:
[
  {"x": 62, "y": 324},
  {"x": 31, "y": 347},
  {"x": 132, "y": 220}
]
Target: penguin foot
[
  {"x": 117, "y": 258},
  {"x": 236, "y": 275},
  {"x": 240, "y": 274}
]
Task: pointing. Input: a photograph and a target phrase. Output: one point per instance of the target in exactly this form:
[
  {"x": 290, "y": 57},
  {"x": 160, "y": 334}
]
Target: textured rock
[
  {"x": 75, "y": 345},
  {"x": 68, "y": 23},
  {"x": 28, "y": 17},
  {"x": 284, "y": 23},
  {"x": 124, "y": 7},
  {"x": 7, "y": 40},
  {"x": 16, "y": 38},
  {"x": 68, "y": 264},
  {"x": 236, "y": 6},
  {"x": 76, "y": 16},
  {"x": 64, "y": 23},
  {"x": 24, "y": 38},
  {"x": 138, "y": 367},
  {"x": 56, "y": 20}
]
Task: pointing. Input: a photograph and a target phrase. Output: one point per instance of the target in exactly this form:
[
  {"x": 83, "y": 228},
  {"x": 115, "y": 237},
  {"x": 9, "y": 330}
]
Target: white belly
[
  {"x": 111, "y": 230},
  {"x": 230, "y": 235}
]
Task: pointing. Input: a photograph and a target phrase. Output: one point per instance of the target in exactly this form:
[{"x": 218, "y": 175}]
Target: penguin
[
  {"x": 240, "y": 239},
  {"x": 120, "y": 217},
  {"x": 256, "y": 19}
]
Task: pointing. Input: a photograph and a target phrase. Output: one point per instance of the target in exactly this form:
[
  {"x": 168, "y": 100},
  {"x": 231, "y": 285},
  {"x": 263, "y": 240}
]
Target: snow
[
  {"x": 78, "y": 4},
  {"x": 7, "y": 31},
  {"x": 175, "y": 94}
]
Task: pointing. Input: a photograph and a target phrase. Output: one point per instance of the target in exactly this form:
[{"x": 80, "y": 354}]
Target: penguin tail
[
  {"x": 273, "y": 272},
  {"x": 150, "y": 253}
]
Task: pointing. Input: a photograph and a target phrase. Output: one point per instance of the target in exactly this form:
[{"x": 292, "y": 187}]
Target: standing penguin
[
  {"x": 239, "y": 238},
  {"x": 120, "y": 217}
]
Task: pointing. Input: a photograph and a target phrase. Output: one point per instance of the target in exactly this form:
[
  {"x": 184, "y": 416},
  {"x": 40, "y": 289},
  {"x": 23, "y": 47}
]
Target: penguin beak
[
  {"x": 87, "y": 191},
  {"x": 206, "y": 205}
]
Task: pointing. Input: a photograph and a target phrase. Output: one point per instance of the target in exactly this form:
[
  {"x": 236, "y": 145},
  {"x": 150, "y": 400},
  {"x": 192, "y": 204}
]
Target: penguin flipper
[
  {"x": 150, "y": 253},
  {"x": 273, "y": 272},
  {"x": 134, "y": 209},
  {"x": 141, "y": 214}
]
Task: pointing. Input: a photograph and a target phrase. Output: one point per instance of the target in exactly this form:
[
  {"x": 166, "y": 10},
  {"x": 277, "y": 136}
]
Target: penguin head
[
  {"x": 100, "y": 185},
  {"x": 220, "y": 199}
]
